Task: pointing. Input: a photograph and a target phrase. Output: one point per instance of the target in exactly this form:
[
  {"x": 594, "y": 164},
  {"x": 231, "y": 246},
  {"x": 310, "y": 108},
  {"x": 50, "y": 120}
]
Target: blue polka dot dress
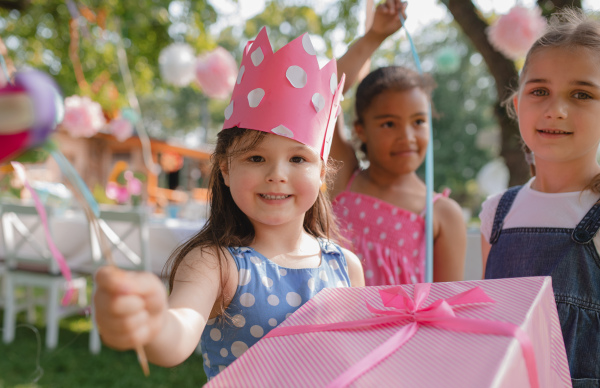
[{"x": 266, "y": 295}]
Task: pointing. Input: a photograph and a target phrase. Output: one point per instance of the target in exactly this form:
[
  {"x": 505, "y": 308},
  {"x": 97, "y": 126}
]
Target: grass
[{"x": 72, "y": 365}]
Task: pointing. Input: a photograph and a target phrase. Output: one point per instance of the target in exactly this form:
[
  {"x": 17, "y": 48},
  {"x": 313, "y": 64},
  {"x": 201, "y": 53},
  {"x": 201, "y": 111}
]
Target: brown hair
[
  {"x": 227, "y": 225},
  {"x": 395, "y": 78},
  {"x": 568, "y": 28}
]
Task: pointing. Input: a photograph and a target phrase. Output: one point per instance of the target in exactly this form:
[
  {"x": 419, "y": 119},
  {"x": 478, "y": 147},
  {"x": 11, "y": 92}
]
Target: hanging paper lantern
[
  {"x": 176, "y": 63},
  {"x": 447, "y": 60},
  {"x": 83, "y": 117},
  {"x": 514, "y": 33},
  {"x": 30, "y": 108},
  {"x": 171, "y": 162},
  {"x": 121, "y": 129},
  {"x": 216, "y": 72}
]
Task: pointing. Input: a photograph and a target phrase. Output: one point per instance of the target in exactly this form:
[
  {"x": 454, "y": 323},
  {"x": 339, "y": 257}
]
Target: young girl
[
  {"x": 265, "y": 249},
  {"x": 381, "y": 209},
  {"x": 548, "y": 227}
]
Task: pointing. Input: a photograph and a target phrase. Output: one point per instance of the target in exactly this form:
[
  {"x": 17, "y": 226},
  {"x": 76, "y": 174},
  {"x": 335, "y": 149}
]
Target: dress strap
[
  {"x": 445, "y": 193},
  {"x": 587, "y": 228},
  {"x": 354, "y": 174},
  {"x": 502, "y": 210}
]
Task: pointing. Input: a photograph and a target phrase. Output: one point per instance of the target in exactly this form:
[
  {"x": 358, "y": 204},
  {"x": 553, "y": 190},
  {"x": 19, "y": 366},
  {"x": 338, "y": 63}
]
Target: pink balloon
[
  {"x": 216, "y": 73},
  {"x": 514, "y": 33}
]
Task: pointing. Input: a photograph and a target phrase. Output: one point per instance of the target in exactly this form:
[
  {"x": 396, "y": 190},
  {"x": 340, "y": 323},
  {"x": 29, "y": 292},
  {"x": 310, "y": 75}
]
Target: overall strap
[
  {"x": 587, "y": 228},
  {"x": 502, "y": 210}
]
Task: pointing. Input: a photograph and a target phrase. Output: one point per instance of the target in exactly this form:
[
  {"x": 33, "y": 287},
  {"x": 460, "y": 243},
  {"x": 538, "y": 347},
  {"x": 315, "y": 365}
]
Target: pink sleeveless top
[{"x": 390, "y": 241}]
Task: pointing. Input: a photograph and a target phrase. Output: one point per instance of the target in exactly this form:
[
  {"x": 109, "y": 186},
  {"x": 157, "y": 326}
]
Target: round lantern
[{"x": 176, "y": 63}]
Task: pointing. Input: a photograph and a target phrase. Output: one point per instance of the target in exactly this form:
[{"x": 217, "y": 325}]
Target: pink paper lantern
[
  {"x": 83, "y": 117},
  {"x": 514, "y": 33},
  {"x": 216, "y": 73},
  {"x": 122, "y": 129}
]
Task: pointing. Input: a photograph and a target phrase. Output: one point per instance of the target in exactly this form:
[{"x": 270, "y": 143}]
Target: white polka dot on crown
[
  {"x": 376, "y": 205},
  {"x": 238, "y": 348},
  {"x": 323, "y": 276},
  {"x": 238, "y": 320},
  {"x": 282, "y": 271},
  {"x": 273, "y": 322},
  {"x": 257, "y": 56},
  {"x": 334, "y": 264},
  {"x": 318, "y": 102},
  {"x": 247, "y": 299},
  {"x": 308, "y": 46},
  {"x": 255, "y": 97},
  {"x": 257, "y": 331},
  {"x": 273, "y": 300},
  {"x": 394, "y": 211},
  {"x": 368, "y": 274},
  {"x": 224, "y": 352},
  {"x": 215, "y": 334},
  {"x": 333, "y": 83},
  {"x": 361, "y": 215},
  {"x": 297, "y": 76},
  {"x": 282, "y": 130},
  {"x": 379, "y": 220},
  {"x": 240, "y": 75},
  {"x": 229, "y": 110},
  {"x": 293, "y": 299},
  {"x": 311, "y": 284},
  {"x": 398, "y": 226},
  {"x": 357, "y": 201},
  {"x": 267, "y": 281},
  {"x": 245, "y": 276},
  {"x": 256, "y": 260}
]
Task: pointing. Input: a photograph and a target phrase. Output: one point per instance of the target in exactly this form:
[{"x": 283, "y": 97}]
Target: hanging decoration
[
  {"x": 121, "y": 128},
  {"x": 30, "y": 108},
  {"x": 176, "y": 63},
  {"x": 83, "y": 117},
  {"x": 447, "y": 60},
  {"x": 216, "y": 73},
  {"x": 514, "y": 33},
  {"x": 171, "y": 162}
]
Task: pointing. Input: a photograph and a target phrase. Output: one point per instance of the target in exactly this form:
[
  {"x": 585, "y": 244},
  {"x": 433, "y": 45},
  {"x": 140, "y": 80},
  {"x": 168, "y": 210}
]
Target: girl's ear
[
  {"x": 225, "y": 172},
  {"x": 360, "y": 131}
]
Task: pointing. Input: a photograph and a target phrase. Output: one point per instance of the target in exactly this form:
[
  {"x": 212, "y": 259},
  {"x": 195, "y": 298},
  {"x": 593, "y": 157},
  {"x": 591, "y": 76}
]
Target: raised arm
[{"x": 132, "y": 308}]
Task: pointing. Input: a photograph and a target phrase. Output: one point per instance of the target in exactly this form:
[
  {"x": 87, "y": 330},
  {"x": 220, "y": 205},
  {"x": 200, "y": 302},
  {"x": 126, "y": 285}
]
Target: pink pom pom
[
  {"x": 121, "y": 129},
  {"x": 514, "y": 33},
  {"x": 83, "y": 117},
  {"x": 216, "y": 73}
]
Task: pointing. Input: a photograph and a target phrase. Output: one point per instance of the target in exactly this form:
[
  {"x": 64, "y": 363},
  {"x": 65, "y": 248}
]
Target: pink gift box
[{"x": 432, "y": 357}]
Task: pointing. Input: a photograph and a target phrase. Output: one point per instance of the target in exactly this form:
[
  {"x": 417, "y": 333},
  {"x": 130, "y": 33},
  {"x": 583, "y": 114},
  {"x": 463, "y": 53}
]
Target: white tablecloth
[{"x": 72, "y": 237}]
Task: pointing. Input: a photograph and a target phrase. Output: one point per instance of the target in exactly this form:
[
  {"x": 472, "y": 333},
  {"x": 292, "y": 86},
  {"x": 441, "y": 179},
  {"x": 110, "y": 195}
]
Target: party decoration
[
  {"x": 127, "y": 187},
  {"x": 83, "y": 117},
  {"x": 493, "y": 177},
  {"x": 176, "y": 63},
  {"x": 216, "y": 73},
  {"x": 30, "y": 108},
  {"x": 514, "y": 33},
  {"x": 121, "y": 128},
  {"x": 447, "y": 60},
  {"x": 286, "y": 93},
  {"x": 171, "y": 162}
]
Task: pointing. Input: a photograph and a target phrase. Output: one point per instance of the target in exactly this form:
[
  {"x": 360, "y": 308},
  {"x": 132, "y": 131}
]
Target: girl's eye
[
  {"x": 256, "y": 159},
  {"x": 582, "y": 96},
  {"x": 420, "y": 122},
  {"x": 539, "y": 92},
  {"x": 297, "y": 159},
  {"x": 388, "y": 124}
]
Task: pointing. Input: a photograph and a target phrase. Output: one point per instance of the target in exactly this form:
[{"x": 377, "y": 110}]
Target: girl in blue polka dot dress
[{"x": 265, "y": 249}]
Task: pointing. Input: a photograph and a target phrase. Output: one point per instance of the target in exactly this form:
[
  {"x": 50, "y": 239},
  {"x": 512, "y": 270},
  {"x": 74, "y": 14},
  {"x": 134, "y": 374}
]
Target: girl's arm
[
  {"x": 385, "y": 22},
  {"x": 485, "y": 251},
  {"x": 355, "y": 269},
  {"x": 450, "y": 244},
  {"x": 132, "y": 308}
]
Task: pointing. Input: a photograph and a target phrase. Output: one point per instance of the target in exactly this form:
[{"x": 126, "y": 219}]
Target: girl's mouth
[
  {"x": 274, "y": 197},
  {"x": 554, "y": 132}
]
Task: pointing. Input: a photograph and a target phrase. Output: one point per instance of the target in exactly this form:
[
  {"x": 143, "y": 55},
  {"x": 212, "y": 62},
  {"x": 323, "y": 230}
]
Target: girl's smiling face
[
  {"x": 558, "y": 104},
  {"x": 395, "y": 130},
  {"x": 276, "y": 182}
]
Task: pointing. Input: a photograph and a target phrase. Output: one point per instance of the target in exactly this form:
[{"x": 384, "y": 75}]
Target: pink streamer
[
  {"x": 410, "y": 314},
  {"x": 64, "y": 268}
]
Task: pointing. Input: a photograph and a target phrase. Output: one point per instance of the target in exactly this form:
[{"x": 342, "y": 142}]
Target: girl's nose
[
  {"x": 276, "y": 173},
  {"x": 557, "y": 109}
]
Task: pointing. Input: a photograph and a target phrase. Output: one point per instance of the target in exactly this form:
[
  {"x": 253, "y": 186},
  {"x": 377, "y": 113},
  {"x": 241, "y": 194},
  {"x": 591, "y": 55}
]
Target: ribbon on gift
[{"x": 411, "y": 315}]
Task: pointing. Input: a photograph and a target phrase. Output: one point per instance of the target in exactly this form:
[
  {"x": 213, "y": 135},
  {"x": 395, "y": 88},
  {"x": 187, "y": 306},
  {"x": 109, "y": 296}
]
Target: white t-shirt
[{"x": 533, "y": 208}]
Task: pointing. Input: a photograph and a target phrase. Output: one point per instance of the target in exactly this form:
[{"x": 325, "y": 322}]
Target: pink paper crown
[{"x": 286, "y": 93}]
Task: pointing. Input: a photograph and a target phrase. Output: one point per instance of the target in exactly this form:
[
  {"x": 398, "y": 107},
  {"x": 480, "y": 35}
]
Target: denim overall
[{"x": 570, "y": 257}]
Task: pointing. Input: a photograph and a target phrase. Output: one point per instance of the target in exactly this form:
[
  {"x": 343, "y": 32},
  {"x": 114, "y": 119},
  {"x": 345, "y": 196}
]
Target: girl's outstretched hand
[
  {"x": 386, "y": 20},
  {"x": 130, "y": 307}
]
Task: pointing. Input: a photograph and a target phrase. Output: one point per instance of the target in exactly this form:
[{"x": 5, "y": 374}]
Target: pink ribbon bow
[{"x": 411, "y": 314}]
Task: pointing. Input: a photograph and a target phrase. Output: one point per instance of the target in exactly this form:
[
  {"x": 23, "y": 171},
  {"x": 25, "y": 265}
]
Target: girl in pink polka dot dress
[
  {"x": 265, "y": 249},
  {"x": 381, "y": 208}
]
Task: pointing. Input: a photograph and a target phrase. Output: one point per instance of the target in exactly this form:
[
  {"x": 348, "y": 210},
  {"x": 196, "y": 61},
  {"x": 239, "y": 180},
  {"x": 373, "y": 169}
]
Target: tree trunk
[{"x": 505, "y": 75}]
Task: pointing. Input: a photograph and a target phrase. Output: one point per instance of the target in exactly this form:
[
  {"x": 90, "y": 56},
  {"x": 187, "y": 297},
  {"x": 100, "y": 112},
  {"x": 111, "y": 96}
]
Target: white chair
[
  {"x": 30, "y": 266},
  {"x": 126, "y": 242}
]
